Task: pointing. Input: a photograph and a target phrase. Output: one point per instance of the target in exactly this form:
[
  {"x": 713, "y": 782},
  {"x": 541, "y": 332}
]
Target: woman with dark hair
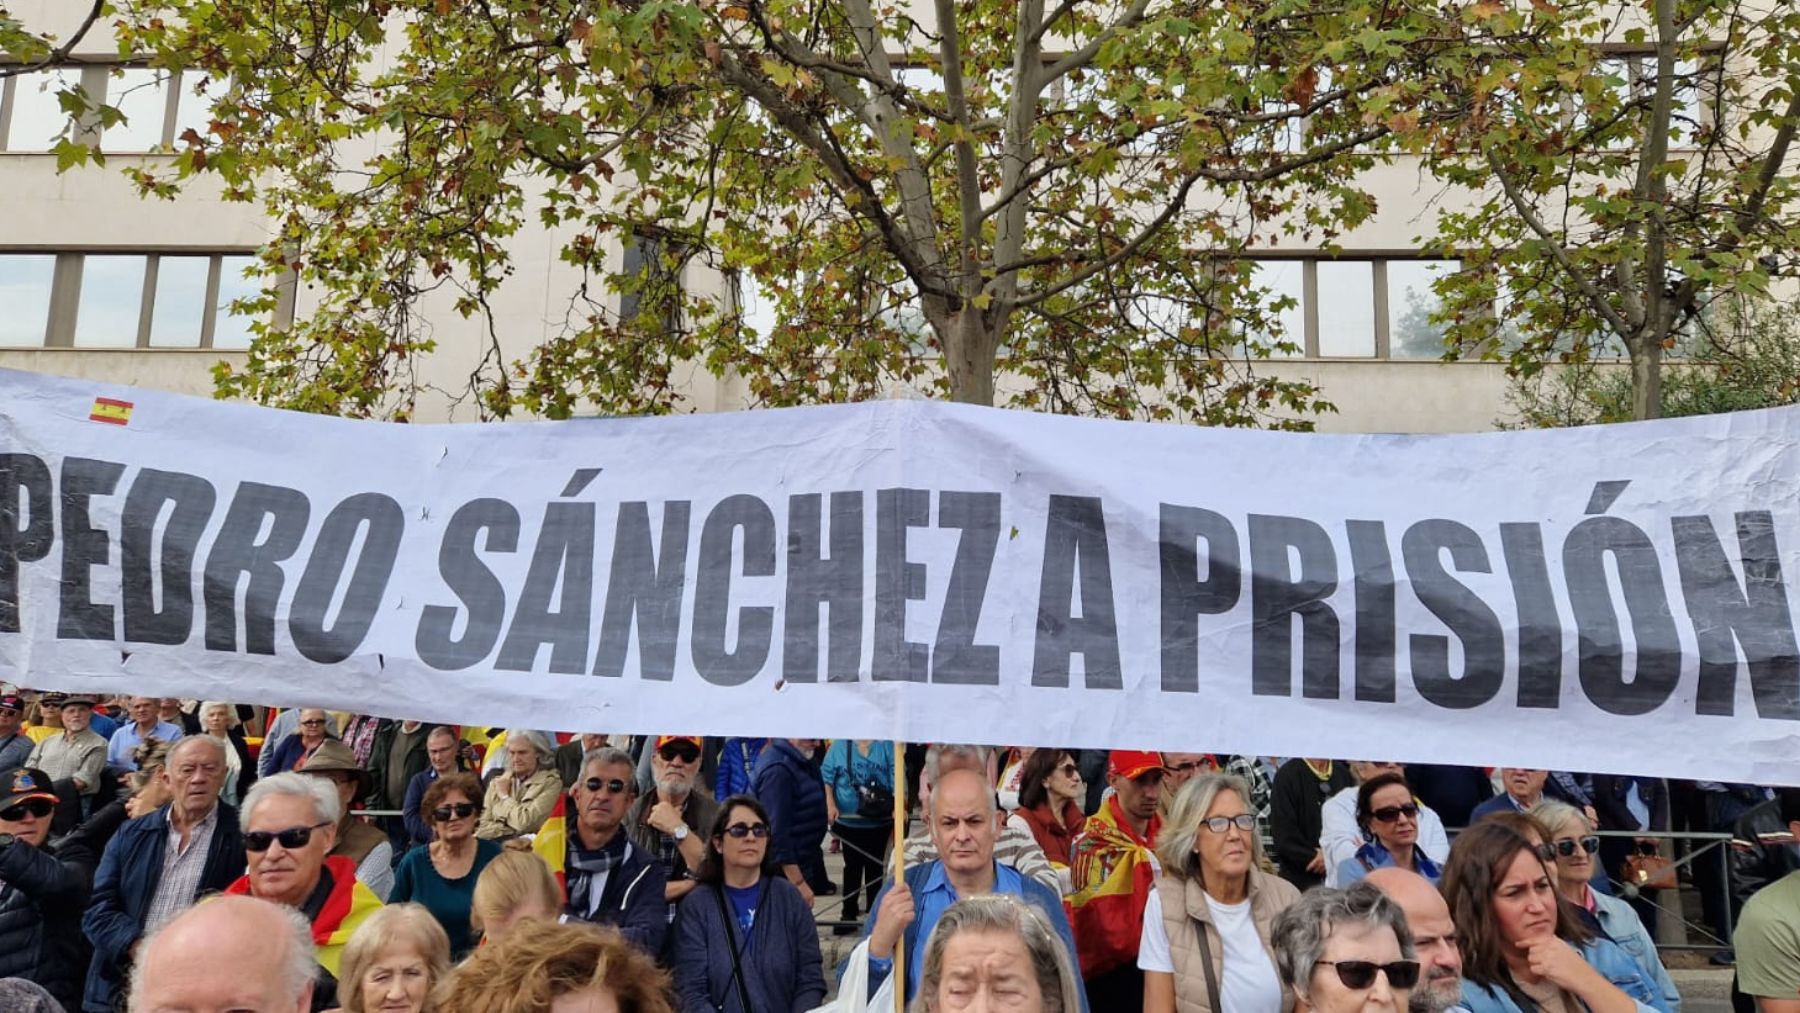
[
  {"x": 442, "y": 875},
  {"x": 1523, "y": 948},
  {"x": 1050, "y": 794},
  {"x": 745, "y": 941},
  {"x": 1389, "y": 817}
]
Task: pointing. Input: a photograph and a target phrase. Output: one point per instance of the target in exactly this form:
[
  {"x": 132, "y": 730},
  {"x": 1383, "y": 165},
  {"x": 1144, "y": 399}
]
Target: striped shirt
[{"x": 181, "y": 870}]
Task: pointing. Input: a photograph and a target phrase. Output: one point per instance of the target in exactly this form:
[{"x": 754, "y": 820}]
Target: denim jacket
[{"x": 1603, "y": 955}]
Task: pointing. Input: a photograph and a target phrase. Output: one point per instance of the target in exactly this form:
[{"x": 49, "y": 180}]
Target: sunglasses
[
  {"x": 1388, "y": 814},
  {"x": 611, "y": 785},
  {"x": 1646, "y": 848},
  {"x": 37, "y": 807},
  {"x": 743, "y": 830},
  {"x": 291, "y": 838},
  {"x": 1360, "y": 974},
  {"x": 1220, "y": 824},
  {"x": 311, "y": 724},
  {"x": 683, "y": 751},
  {"x": 1068, "y": 770},
  {"x": 1566, "y": 847},
  {"x": 460, "y": 810},
  {"x": 11, "y": 712}
]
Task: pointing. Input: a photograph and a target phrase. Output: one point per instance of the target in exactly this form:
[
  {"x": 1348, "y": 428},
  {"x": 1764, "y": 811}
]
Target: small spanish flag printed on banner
[{"x": 111, "y": 411}]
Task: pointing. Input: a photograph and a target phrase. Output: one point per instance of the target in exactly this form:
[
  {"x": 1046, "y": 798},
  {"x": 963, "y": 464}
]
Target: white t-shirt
[{"x": 1250, "y": 984}]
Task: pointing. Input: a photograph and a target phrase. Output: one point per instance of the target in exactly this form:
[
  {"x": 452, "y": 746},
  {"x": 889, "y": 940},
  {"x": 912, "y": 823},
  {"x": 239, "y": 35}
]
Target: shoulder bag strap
[
  {"x": 737, "y": 963},
  {"x": 1214, "y": 999}
]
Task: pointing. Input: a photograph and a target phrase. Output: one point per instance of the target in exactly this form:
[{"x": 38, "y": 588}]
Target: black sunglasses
[
  {"x": 1647, "y": 848},
  {"x": 1068, "y": 770},
  {"x": 610, "y": 784},
  {"x": 37, "y": 807},
  {"x": 291, "y": 838},
  {"x": 742, "y": 830},
  {"x": 1360, "y": 974},
  {"x": 1388, "y": 814},
  {"x": 683, "y": 751},
  {"x": 1566, "y": 847},
  {"x": 460, "y": 810}
]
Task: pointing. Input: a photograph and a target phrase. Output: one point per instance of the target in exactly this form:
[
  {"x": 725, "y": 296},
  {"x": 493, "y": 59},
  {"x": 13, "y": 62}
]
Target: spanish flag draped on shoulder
[
  {"x": 551, "y": 841},
  {"x": 1113, "y": 872},
  {"x": 346, "y": 907}
]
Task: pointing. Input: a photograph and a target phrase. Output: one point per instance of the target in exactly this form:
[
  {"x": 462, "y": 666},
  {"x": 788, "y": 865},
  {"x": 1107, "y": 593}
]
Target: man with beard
[
  {"x": 1434, "y": 938},
  {"x": 609, "y": 880},
  {"x": 664, "y": 821}
]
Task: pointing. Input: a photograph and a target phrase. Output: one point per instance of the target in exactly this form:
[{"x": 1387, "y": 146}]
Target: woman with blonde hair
[
  {"x": 393, "y": 961},
  {"x": 1207, "y": 925},
  {"x": 997, "y": 943},
  {"x": 566, "y": 968},
  {"x": 516, "y": 886}
]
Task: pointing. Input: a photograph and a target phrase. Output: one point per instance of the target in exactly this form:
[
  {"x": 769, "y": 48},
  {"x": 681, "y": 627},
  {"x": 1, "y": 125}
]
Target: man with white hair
[
  {"x": 1015, "y": 847},
  {"x": 671, "y": 822},
  {"x": 290, "y": 827},
  {"x": 231, "y": 953}
]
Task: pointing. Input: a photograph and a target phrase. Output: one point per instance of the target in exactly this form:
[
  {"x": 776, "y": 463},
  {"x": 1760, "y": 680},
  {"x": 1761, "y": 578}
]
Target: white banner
[{"x": 1602, "y": 599}]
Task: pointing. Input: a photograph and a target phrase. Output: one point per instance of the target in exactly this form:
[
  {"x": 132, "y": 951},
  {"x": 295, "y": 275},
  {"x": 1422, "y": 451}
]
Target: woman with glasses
[
  {"x": 1208, "y": 923},
  {"x": 1389, "y": 817},
  {"x": 313, "y": 729},
  {"x": 1523, "y": 949},
  {"x": 745, "y": 941},
  {"x": 1345, "y": 951},
  {"x": 442, "y": 875},
  {"x": 1050, "y": 795},
  {"x": 1575, "y": 846}
]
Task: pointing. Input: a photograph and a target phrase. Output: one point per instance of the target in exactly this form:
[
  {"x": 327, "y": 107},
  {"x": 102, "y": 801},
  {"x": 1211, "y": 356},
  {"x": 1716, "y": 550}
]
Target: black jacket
[
  {"x": 42, "y": 894},
  {"x": 412, "y": 763},
  {"x": 1762, "y": 851},
  {"x": 1294, "y": 819}
]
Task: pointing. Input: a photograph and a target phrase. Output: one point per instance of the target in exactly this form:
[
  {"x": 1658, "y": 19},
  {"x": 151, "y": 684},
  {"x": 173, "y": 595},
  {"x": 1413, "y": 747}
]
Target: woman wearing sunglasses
[
  {"x": 1345, "y": 951},
  {"x": 1207, "y": 923},
  {"x": 1050, "y": 794},
  {"x": 1389, "y": 817},
  {"x": 1575, "y": 846},
  {"x": 1524, "y": 949},
  {"x": 745, "y": 941},
  {"x": 442, "y": 875}
]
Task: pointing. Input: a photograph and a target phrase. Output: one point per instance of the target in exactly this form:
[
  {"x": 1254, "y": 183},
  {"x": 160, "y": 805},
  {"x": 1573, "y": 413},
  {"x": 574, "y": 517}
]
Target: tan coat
[
  {"x": 1186, "y": 915},
  {"x": 522, "y": 812}
]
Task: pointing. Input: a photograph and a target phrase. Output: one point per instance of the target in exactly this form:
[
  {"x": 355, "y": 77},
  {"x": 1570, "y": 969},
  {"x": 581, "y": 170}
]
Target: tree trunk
[
  {"x": 1646, "y": 377},
  {"x": 969, "y": 346}
]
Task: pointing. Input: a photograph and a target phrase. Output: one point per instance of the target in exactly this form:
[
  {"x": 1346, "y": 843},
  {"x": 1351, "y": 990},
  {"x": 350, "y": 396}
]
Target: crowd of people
[{"x": 165, "y": 855}]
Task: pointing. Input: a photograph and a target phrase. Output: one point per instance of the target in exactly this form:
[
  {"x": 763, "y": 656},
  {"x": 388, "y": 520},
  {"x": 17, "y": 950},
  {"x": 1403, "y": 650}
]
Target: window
[
  {"x": 1346, "y": 308},
  {"x": 1356, "y": 307},
  {"x": 157, "y": 106},
  {"x": 1411, "y": 303},
  {"x": 651, "y": 275},
  {"x": 756, "y": 308},
  {"x": 142, "y": 95},
  {"x": 33, "y": 118},
  {"x": 1283, "y": 280},
  {"x": 114, "y": 300}
]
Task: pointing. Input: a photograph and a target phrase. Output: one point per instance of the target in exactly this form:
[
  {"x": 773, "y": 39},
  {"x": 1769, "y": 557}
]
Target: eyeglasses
[
  {"x": 37, "y": 807},
  {"x": 291, "y": 838},
  {"x": 1547, "y": 852},
  {"x": 683, "y": 751},
  {"x": 611, "y": 785},
  {"x": 1390, "y": 813},
  {"x": 313, "y": 723},
  {"x": 460, "y": 810},
  {"x": 743, "y": 830},
  {"x": 1184, "y": 768},
  {"x": 1220, "y": 824},
  {"x": 1360, "y": 974},
  {"x": 1567, "y": 845}
]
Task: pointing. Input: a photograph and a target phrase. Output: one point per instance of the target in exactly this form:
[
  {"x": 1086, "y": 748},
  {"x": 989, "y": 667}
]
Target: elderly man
[
  {"x": 1339, "y": 835},
  {"x": 672, "y": 821},
  {"x": 1113, "y": 872},
  {"x": 520, "y": 800},
  {"x": 42, "y": 890},
  {"x": 144, "y": 724},
  {"x": 609, "y": 880},
  {"x": 290, "y": 827},
  {"x": 1180, "y": 768},
  {"x": 965, "y": 822},
  {"x": 232, "y": 953},
  {"x": 360, "y": 842},
  {"x": 1015, "y": 846},
  {"x": 160, "y": 863},
  {"x": 1434, "y": 938},
  {"x": 78, "y": 755},
  {"x": 1524, "y": 788},
  {"x": 15, "y": 745},
  {"x": 443, "y": 755}
]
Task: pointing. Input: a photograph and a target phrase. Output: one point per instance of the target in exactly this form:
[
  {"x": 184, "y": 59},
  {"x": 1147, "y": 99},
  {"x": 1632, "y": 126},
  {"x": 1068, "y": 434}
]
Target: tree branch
[
  {"x": 1596, "y": 300},
  {"x": 968, "y": 180},
  {"x": 1085, "y": 55},
  {"x": 59, "y": 53}
]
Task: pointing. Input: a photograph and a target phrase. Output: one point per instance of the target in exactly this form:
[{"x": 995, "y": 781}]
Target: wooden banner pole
[{"x": 899, "y": 971}]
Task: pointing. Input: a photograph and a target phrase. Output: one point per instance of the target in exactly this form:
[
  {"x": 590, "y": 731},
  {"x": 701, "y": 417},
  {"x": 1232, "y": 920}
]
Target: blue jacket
[
  {"x": 125, "y": 883},
  {"x": 1039, "y": 896},
  {"x": 846, "y": 769},
  {"x": 1372, "y": 856},
  {"x": 632, "y": 900},
  {"x": 1603, "y": 955},
  {"x": 783, "y": 971},
  {"x": 789, "y": 786},
  {"x": 737, "y": 764},
  {"x": 418, "y": 831},
  {"x": 1622, "y": 925}
]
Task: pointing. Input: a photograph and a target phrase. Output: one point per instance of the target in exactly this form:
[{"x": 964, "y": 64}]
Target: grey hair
[
  {"x": 231, "y": 717},
  {"x": 1301, "y": 931},
  {"x": 544, "y": 749},
  {"x": 1181, "y": 828},
  {"x": 935, "y": 753},
  {"x": 610, "y": 756},
  {"x": 1002, "y": 913},
  {"x": 1553, "y": 813},
  {"x": 299, "y": 964},
  {"x": 182, "y": 743},
  {"x": 321, "y": 791}
]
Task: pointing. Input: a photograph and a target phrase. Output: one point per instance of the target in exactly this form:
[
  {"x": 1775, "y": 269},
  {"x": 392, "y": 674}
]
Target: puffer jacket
[
  {"x": 42, "y": 894},
  {"x": 792, "y": 790}
]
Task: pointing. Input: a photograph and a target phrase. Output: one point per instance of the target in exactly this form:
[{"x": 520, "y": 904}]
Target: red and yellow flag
[
  {"x": 1113, "y": 873},
  {"x": 349, "y": 904},
  {"x": 111, "y": 411},
  {"x": 552, "y": 840}
]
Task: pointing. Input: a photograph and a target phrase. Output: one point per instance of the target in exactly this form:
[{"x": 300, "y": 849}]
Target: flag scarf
[
  {"x": 552, "y": 841},
  {"x": 346, "y": 907},
  {"x": 1113, "y": 872}
]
